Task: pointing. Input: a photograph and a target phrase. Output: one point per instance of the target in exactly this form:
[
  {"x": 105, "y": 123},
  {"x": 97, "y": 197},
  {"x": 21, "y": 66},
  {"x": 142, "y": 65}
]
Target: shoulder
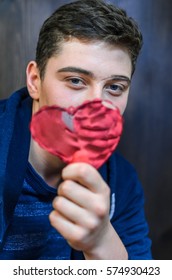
[
  {"x": 125, "y": 170},
  {"x": 125, "y": 181},
  {"x": 129, "y": 218},
  {"x": 13, "y": 100},
  {"x": 122, "y": 169},
  {"x": 123, "y": 164},
  {"x": 119, "y": 173},
  {"x": 2, "y": 105}
]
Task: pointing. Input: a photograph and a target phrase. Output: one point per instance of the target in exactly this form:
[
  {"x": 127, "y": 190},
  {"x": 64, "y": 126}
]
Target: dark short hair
[{"x": 87, "y": 20}]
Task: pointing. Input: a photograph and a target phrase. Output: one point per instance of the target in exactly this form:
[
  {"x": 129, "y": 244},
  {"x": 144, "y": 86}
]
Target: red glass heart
[{"x": 87, "y": 133}]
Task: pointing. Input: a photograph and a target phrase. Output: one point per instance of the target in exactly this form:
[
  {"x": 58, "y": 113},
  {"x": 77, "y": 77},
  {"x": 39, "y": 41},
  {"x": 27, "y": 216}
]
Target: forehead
[{"x": 94, "y": 56}]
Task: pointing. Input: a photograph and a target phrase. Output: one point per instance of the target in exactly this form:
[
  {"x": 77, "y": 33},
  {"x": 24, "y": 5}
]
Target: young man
[{"x": 49, "y": 210}]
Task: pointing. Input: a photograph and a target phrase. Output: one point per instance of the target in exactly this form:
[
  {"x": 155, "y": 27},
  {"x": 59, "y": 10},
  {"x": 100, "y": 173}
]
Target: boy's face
[{"x": 84, "y": 71}]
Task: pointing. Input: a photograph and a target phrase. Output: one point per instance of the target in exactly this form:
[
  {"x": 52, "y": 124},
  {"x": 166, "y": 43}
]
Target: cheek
[
  {"x": 64, "y": 97},
  {"x": 57, "y": 94},
  {"x": 122, "y": 109},
  {"x": 122, "y": 104},
  {"x": 50, "y": 95}
]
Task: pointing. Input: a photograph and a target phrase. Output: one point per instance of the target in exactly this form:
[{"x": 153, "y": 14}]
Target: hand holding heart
[{"x": 81, "y": 209}]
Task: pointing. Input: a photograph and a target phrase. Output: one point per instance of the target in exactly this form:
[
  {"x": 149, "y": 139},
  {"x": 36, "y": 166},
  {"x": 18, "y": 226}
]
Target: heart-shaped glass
[{"x": 87, "y": 133}]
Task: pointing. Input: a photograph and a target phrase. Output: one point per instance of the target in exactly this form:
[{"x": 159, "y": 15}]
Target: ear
[{"x": 33, "y": 80}]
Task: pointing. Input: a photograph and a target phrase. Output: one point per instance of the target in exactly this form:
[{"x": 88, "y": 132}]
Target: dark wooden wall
[
  {"x": 147, "y": 138},
  {"x": 147, "y": 141}
]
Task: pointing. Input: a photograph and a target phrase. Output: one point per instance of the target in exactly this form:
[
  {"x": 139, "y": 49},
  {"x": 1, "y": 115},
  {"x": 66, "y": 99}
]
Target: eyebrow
[
  {"x": 76, "y": 70},
  {"x": 90, "y": 74},
  {"x": 120, "y": 77}
]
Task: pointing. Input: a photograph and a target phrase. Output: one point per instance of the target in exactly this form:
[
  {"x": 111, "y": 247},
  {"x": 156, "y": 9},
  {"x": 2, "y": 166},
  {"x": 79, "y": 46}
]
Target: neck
[{"x": 48, "y": 166}]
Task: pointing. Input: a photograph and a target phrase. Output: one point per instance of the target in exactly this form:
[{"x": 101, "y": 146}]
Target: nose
[{"x": 95, "y": 92}]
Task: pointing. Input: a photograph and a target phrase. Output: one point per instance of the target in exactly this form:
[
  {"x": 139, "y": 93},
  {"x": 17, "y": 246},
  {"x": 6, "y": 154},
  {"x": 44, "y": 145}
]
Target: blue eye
[
  {"x": 75, "y": 81},
  {"x": 114, "y": 87}
]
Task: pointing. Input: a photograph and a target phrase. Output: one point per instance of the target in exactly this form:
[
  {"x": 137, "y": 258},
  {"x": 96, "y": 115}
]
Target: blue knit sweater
[{"x": 25, "y": 199}]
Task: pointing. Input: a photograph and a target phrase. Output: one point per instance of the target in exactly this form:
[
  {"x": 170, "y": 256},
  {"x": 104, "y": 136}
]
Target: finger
[
  {"x": 84, "y": 174},
  {"x": 75, "y": 214},
  {"x": 76, "y": 193},
  {"x": 83, "y": 197},
  {"x": 66, "y": 228}
]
